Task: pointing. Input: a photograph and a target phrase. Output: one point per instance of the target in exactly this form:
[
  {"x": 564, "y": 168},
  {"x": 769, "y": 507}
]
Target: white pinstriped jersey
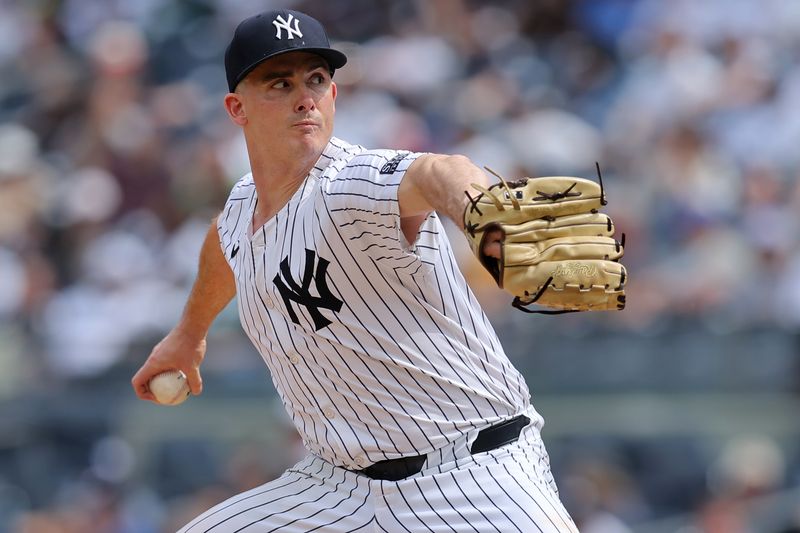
[{"x": 377, "y": 348}]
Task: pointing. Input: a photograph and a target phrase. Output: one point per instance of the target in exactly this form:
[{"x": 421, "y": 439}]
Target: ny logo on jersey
[
  {"x": 300, "y": 294},
  {"x": 285, "y": 24}
]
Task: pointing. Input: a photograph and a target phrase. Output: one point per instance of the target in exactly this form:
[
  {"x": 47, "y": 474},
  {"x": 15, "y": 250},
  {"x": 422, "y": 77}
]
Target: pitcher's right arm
[{"x": 184, "y": 347}]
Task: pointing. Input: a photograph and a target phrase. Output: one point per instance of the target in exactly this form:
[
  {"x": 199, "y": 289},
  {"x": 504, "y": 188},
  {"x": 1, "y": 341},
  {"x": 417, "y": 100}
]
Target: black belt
[{"x": 488, "y": 439}]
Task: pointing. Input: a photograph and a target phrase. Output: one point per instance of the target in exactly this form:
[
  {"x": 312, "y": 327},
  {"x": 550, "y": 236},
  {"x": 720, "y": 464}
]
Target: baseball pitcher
[{"x": 413, "y": 416}]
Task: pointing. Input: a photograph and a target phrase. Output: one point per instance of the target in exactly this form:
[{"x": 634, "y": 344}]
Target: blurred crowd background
[{"x": 679, "y": 414}]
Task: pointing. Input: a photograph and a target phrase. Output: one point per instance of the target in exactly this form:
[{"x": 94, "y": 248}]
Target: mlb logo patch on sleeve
[{"x": 391, "y": 165}]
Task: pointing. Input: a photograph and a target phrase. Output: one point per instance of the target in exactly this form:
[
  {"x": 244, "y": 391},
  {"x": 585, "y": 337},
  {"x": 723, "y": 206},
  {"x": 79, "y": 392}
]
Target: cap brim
[{"x": 335, "y": 59}]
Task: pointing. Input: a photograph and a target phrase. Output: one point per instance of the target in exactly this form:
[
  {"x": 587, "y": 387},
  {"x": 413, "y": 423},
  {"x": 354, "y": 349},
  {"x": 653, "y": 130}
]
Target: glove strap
[{"x": 521, "y": 306}]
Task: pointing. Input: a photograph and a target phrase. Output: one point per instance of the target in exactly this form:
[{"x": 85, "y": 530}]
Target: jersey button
[
  {"x": 294, "y": 359},
  {"x": 329, "y": 412},
  {"x": 361, "y": 460}
]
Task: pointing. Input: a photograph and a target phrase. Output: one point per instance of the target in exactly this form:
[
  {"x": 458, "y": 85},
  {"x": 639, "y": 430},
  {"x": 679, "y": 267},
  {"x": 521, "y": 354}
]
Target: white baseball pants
[{"x": 504, "y": 490}]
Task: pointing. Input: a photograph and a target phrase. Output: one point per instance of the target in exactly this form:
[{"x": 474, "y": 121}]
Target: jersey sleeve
[
  {"x": 232, "y": 221},
  {"x": 362, "y": 200}
]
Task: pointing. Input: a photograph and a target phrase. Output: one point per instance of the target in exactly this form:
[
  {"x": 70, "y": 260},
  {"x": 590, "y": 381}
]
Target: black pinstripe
[
  {"x": 428, "y": 503},
  {"x": 303, "y": 503},
  {"x": 400, "y": 324},
  {"x": 517, "y": 504},
  {"x": 410, "y": 508},
  {"x": 550, "y": 495},
  {"x": 469, "y": 500},
  {"x": 453, "y": 507},
  {"x": 494, "y": 504},
  {"x": 236, "y": 500}
]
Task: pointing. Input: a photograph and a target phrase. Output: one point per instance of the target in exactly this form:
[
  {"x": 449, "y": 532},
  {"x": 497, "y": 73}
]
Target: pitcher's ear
[{"x": 235, "y": 108}]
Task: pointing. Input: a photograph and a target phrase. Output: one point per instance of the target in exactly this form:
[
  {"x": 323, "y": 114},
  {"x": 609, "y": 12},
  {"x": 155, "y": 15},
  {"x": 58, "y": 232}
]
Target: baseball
[{"x": 170, "y": 388}]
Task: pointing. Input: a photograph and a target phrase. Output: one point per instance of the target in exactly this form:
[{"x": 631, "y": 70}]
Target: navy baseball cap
[{"x": 271, "y": 33}]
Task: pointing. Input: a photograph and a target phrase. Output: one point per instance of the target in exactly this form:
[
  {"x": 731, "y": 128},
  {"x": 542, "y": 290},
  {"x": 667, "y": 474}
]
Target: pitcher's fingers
[
  {"x": 147, "y": 396},
  {"x": 492, "y": 243},
  {"x": 141, "y": 380},
  {"x": 195, "y": 380},
  {"x": 143, "y": 392}
]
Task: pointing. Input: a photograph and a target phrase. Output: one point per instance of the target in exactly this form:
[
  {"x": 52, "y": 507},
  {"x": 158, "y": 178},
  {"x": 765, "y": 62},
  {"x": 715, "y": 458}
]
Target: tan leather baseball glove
[{"x": 557, "y": 249}]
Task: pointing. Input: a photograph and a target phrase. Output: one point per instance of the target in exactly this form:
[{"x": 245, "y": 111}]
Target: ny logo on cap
[{"x": 285, "y": 24}]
